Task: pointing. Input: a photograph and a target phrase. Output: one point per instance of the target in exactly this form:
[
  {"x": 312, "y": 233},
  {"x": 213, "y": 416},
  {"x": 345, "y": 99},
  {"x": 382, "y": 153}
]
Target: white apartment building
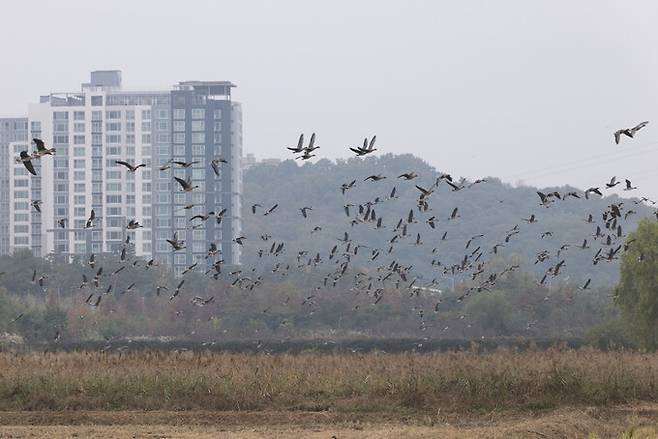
[{"x": 102, "y": 123}]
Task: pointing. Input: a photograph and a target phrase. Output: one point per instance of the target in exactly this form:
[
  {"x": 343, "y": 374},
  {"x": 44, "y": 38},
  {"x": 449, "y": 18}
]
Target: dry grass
[
  {"x": 591, "y": 423},
  {"x": 396, "y": 383}
]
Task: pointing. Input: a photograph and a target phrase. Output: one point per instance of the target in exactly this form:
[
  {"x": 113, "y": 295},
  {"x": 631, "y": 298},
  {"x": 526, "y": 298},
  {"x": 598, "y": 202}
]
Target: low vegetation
[{"x": 411, "y": 382}]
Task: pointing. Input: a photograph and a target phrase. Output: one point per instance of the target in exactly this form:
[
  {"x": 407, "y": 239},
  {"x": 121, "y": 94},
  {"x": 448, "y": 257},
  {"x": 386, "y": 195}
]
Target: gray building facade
[{"x": 12, "y": 130}]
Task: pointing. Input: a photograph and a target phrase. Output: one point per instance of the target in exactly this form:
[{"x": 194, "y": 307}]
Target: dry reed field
[{"x": 341, "y": 383}]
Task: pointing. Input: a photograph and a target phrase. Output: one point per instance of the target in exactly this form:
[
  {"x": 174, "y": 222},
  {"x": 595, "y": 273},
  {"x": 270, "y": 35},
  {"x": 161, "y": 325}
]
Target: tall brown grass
[{"x": 358, "y": 382}]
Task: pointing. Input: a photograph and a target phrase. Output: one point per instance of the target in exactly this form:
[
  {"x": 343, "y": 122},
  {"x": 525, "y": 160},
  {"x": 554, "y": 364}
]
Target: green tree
[
  {"x": 637, "y": 292},
  {"x": 492, "y": 311}
]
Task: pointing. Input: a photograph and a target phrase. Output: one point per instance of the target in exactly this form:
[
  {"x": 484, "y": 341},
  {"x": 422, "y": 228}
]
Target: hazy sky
[{"x": 523, "y": 90}]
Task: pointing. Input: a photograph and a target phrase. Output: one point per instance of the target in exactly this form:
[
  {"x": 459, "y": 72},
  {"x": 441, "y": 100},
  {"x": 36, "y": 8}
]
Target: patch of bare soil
[{"x": 561, "y": 423}]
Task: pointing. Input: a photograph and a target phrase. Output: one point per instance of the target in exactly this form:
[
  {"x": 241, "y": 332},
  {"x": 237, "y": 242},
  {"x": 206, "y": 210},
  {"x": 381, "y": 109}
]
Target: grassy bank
[{"x": 358, "y": 382}]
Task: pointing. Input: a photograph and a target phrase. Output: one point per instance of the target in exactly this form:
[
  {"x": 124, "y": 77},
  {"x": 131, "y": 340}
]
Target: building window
[
  {"x": 113, "y": 114},
  {"x": 79, "y": 127},
  {"x": 78, "y": 115},
  {"x": 21, "y": 240},
  {"x": 79, "y": 187},
  {"x": 79, "y": 199},
  {"x": 179, "y": 137},
  {"x": 79, "y": 175},
  {"x": 97, "y": 101},
  {"x": 163, "y": 222},
  {"x": 198, "y": 149},
  {"x": 179, "y": 125},
  {"x": 61, "y": 127},
  {"x": 162, "y": 125},
  {"x": 60, "y": 115},
  {"x": 130, "y": 114},
  {"x": 79, "y": 164},
  {"x": 198, "y": 125},
  {"x": 61, "y": 199},
  {"x": 146, "y": 138},
  {"x": 198, "y": 113},
  {"x": 113, "y": 126},
  {"x": 61, "y": 139},
  {"x": 146, "y": 125},
  {"x": 146, "y": 114},
  {"x": 198, "y": 137},
  {"x": 179, "y": 113},
  {"x": 113, "y": 138},
  {"x": 163, "y": 137},
  {"x": 113, "y": 199},
  {"x": 20, "y": 183},
  {"x": 218, "y": 113}
]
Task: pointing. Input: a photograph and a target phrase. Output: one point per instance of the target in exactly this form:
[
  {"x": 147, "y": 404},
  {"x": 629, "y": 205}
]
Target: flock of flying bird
[{"x": 383, "y": 273}]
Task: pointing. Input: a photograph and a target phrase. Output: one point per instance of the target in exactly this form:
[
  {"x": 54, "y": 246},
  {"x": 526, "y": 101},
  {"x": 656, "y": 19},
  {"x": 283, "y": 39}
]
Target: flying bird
[
  {"x": 131, "y": 167},
  {"x": 175, "y": 243},
  {"x": 41, "y": 149},
  {"x": 133, "y": 224},
  {"x": 629, "y": 132},
  {"x": 367, "y": 148},
  {"x": 215, "y": 163},
  {"x": 37, "y": 205},
  {"x": 300, "y": 145},
  {"x": 26, "y": 159},
  {"x": 186, "y": 165},
  {"x": 374, "y": 177},
  {"x": 186, "y": 185},
  {"x": 304, "y": 211}
]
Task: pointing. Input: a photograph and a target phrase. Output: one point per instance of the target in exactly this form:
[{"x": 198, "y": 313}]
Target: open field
[
  {"x": 625, "y": 422},
  {"x": 408, "y": 383},
  {"x": 544, "y": 394}
]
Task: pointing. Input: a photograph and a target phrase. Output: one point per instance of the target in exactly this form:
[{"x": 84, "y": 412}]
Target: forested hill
[{"x": 489, "y": 208}]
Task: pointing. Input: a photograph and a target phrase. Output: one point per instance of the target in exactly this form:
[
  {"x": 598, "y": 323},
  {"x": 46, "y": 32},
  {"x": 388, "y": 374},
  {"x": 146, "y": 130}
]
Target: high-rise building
[
  {"x": 12, "y": 131},
  {"x": 194, "y": 123}
]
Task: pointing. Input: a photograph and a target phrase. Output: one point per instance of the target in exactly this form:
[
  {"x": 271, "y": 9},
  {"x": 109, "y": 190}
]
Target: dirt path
[{"x": 562, "y": 423}]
